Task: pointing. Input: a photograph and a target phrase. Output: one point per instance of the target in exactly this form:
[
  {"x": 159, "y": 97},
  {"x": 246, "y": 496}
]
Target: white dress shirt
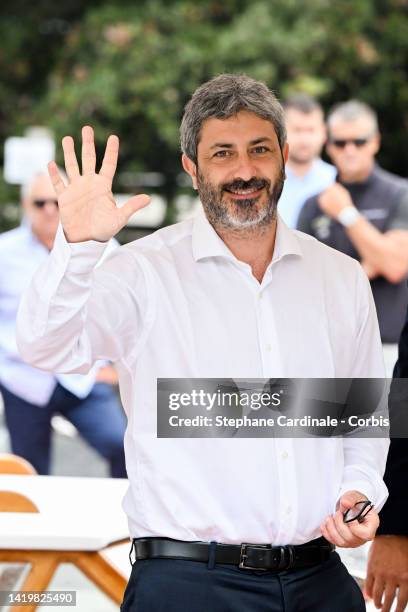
[{"x": 179, "y": 304}]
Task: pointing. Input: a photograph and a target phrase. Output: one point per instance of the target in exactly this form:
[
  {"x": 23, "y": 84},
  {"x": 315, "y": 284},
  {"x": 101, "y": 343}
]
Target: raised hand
[{"x": 86, "y": 205}]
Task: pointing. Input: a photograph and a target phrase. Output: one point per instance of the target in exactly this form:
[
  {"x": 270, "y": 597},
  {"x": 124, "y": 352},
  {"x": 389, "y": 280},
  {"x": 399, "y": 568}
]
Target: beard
[{"x": 249, "y": 214}]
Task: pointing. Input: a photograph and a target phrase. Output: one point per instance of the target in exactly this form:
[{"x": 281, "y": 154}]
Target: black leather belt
[{"x": 246, "y": 556}]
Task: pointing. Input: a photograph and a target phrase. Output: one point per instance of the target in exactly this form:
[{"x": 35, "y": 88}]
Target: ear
[
  {"x": 191, "y": 169},
  {"x": 325, "y": 134},
  {"x": 25, "y": 205},
  {"x": 377, "y": 143},
  {"x": 285, "y": 152}
]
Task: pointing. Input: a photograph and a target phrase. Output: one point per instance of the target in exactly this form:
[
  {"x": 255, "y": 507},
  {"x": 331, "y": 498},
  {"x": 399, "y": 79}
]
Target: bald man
[{"x": 31, "y": 396}]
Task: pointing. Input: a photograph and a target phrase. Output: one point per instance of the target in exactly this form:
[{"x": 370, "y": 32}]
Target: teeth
[{"x": 242, "y": 192}]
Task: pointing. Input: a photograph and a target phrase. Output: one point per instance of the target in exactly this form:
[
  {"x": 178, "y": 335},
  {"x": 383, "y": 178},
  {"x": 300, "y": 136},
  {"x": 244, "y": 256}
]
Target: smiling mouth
[{"x": 244, "y": 194}]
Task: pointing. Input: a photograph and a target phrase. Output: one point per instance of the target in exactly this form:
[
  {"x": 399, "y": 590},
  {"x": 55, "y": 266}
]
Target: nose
[
  {"x": 50, "y": 209},
  {"x": 245, "y": 168},
  {"x": 350, "y": 147}
]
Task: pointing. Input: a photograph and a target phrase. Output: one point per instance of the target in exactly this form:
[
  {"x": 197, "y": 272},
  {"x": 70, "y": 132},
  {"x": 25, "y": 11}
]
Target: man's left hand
[
  {"x": 387, "y": 571},
  {"x": 334, "y": 199},
  {"x": 350, "y": 535}
]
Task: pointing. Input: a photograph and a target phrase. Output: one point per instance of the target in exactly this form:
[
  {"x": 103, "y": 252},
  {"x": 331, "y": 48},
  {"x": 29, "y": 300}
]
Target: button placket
[
  {"x": 267, "y": 335},
  {"x": 287, "y": 488}
]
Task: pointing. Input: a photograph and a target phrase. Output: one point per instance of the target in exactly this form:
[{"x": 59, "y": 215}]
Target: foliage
[{"x": 129, "y": 67}]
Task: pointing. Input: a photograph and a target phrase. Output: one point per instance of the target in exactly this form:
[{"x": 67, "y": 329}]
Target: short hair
[
  {"x": 224, "y": 96},
  {"x": 302, "y": 103},
  {"x": 351, "y": 111},
  {"x": 25, "y": 188}
]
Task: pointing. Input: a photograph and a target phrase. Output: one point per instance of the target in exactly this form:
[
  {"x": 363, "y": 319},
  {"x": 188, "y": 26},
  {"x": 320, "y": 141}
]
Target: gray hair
[
  {"x": 352, "y": 111},
  {"x": 25, "y": 188},
  {"x": 224, "y": 96},
  {"x": 302, "y": 103}
]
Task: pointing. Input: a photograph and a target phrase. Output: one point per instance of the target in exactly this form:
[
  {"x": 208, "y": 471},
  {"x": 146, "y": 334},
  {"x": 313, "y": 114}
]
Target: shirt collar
[
  {"x": 207, "y": 243},
  {"x": 313, "y": 168}
]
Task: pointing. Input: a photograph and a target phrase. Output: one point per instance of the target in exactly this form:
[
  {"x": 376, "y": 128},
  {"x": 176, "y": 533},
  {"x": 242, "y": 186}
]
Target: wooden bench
[{"x": 49, "y": 520}]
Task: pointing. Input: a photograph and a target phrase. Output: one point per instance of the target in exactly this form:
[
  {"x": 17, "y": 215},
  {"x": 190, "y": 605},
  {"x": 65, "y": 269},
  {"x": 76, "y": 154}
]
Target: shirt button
[
  {"x": 288, "y": 509},
  {"x": 285, "y": 455},
  {"x": 268, "y": 347},
  {"x": 260, "y": 296}
]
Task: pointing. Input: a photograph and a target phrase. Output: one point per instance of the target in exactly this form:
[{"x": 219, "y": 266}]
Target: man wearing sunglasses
[
  {"x": 31, "y": 396},
  {"x": 365, "y": 213}
]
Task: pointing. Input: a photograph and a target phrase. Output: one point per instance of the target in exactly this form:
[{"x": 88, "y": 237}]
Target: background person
[
  {"x": 387, "y": 571},
  {"x": 306, "y": 173},
  {"x": 31, "y": 396},
  {"x": 365, "y": 213}
]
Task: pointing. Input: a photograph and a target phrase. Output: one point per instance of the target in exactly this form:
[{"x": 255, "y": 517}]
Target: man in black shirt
[
  {"x": 365, "y": 213},
  {"x": 387, "y": 569}
]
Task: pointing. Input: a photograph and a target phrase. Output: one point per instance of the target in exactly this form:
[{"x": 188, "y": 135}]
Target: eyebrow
[{"x": 228, "y": 145}]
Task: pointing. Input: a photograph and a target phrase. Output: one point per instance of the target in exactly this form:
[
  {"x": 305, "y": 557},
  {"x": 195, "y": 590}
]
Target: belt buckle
[
  {"x": 244, "y": 556},
  {"x": 283, "y": 564}
]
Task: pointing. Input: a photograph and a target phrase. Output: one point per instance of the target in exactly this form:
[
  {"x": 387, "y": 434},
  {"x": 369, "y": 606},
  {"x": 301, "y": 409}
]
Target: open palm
[{"x": 87, "y": 208}]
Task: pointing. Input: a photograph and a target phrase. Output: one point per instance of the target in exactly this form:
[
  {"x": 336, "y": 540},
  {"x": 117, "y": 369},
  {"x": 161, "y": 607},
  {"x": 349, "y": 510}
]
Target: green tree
[{"x": 129, "y": 68}]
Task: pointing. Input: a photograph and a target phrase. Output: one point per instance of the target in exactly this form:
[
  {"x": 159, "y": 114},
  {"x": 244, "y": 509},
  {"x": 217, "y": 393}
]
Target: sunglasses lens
[
  {"x": 340, "y": 143},
  {"x": 359, "y": 510},
  {"x": 367, "y": 510},
  {"x": 42, "y": 203},
  {"x": 351, "y": 514}
]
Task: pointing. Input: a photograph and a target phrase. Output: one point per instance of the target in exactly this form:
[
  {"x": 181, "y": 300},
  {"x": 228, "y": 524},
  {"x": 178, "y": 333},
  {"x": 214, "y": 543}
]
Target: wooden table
[{"x": 78, "y": 519}]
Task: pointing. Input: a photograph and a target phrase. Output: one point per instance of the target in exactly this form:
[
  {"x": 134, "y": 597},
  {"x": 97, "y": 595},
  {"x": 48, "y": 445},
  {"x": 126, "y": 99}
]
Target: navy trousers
[
  {"x": 170, "y": 585},
  {"x": 99, "y": 419}
]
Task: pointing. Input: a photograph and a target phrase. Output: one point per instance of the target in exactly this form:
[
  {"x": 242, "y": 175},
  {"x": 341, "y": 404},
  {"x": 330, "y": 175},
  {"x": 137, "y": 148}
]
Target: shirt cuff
[
  {"x": 82, "y": 256},
  {"x": 377, "y": 494}
]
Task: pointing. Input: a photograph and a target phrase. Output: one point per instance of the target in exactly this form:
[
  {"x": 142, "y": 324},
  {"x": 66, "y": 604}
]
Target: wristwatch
[{"x": 348, "y": 216}]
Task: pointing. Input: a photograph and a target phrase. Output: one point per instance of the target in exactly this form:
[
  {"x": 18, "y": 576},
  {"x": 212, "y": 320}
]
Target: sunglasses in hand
[{"x": 358, "y": 512}]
